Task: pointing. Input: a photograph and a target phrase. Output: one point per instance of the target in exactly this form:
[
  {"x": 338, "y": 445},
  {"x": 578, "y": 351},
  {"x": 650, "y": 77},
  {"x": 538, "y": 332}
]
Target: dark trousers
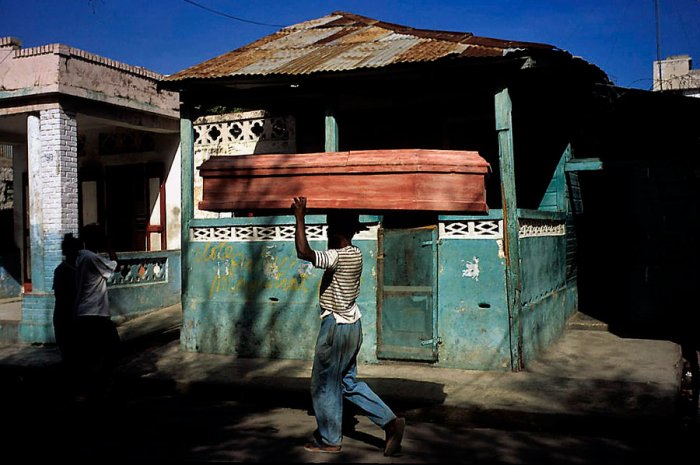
[{"x": 96, "y": 350}]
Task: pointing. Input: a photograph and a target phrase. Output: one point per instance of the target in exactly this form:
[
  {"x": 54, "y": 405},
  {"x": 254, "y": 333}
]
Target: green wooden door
[{"x": 407, "y": 299}]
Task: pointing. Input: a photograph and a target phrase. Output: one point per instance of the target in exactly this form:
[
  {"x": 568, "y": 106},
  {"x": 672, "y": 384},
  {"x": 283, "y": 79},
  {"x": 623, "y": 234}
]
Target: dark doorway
[{"x": 132, "y": 193}]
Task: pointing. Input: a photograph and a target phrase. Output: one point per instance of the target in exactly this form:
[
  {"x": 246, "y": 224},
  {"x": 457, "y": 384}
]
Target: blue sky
[{"x": 167, "y": 36}]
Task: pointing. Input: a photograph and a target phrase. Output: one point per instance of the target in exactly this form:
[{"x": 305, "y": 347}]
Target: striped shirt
[{"x": 340, "y": 285}]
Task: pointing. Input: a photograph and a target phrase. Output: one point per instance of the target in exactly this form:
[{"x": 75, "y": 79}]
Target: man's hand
[
  {"x": 110, "y": 251},
  {"x": 299, "y": 207},
  {"x": 302, "y": 244}
]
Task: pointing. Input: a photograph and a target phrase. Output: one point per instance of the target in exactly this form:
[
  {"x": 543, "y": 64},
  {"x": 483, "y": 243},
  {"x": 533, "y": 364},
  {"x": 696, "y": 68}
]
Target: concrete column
[
  {"x": 52, "y": 141},
  {"x": 35, "y": 203},
  {"x": 59, "y": 139}
]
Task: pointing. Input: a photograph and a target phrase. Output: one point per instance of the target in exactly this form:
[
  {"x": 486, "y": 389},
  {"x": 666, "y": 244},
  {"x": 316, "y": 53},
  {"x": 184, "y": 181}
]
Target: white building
[
  {"x": 85, "y": 139},
  {"x": 675, "y": 73}
]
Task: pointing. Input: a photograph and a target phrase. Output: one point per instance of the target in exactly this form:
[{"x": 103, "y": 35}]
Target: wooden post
[
  {"x": 562, "y": 204},
  {"x": 187, "y": 190},
  {"x": 504, "y": 128},
  {"x": 331, "y": 141}
]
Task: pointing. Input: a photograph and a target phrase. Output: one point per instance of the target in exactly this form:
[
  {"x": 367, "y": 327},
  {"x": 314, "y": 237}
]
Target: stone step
[{"x": 582, "y": 321}]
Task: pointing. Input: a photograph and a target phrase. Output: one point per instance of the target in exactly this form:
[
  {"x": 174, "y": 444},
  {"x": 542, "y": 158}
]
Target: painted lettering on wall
[{"x": 253, "y": 269}]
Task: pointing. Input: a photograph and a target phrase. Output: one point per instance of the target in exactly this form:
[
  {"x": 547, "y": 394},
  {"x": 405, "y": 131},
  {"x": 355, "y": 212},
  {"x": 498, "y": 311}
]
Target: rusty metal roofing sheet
[{"x": 344, "y": 42}]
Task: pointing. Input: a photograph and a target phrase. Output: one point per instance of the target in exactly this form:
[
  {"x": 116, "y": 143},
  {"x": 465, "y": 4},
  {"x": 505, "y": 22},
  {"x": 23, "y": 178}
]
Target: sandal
[{"x": 316, "y": 447}]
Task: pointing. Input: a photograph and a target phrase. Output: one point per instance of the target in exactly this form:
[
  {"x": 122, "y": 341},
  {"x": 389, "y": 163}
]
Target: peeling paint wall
[
  {"x": 257, "y": 299},
  {"x": 473, "y": 312},
  {"x": 70, "y": 71},
  {"x": 30, "y": 75},
  {"x": 548, "y": 300},
  {"x": 81, "y": 77},
  {"x": 129, "y": 301}
]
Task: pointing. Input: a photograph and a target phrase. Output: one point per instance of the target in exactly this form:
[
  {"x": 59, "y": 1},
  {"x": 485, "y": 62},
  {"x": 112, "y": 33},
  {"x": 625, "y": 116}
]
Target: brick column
[{"x": 53, "y": 211}]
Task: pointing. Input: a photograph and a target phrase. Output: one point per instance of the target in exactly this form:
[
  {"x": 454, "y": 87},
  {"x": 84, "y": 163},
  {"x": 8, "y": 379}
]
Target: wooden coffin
[{"x": 372, "y": 180}]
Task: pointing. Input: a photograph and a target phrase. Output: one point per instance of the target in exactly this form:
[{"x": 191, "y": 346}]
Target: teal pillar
[
  {"x": 562, "y": 197},
  {"x": 187, "y": 192},
  {"x": 331, "y": 140},
  {"x": 504, "y": 128}
]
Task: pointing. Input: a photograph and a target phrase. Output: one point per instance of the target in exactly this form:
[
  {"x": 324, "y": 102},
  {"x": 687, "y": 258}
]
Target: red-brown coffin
[{"x": 436, "y": 180}]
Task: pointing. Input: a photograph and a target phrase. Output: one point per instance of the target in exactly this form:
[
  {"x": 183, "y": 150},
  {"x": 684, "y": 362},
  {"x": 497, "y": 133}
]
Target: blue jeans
[{"x": 333, "y": 378}]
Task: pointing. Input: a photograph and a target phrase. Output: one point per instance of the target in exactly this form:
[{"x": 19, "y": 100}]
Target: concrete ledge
[{"x": 573, "y": 387}]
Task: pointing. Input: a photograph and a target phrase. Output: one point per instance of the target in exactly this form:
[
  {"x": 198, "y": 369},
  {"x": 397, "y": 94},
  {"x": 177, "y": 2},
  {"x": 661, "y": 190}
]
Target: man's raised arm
[{"x": 304, "y": 251}]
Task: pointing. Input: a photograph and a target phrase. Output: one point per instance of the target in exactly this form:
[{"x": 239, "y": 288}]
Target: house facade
[
  {"x": 473, "y": 290},
  {"x": 85, "y": 139}
]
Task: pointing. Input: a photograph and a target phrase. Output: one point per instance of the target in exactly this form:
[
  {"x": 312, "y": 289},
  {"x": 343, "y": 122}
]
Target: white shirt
[{"x": 93, "y": 272}]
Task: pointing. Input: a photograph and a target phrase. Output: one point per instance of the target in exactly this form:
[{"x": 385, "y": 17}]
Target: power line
[{"x": 226, "y": 15}]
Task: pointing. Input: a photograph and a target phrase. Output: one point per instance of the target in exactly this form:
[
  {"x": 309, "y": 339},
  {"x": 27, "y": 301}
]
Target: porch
[
  {"x": 85, "y": 140},
  {"x": 144, "y": 283}
]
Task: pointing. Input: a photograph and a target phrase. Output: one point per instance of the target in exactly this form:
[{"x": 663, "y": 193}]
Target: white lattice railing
[
  {"x": 493, "y": 229},
  {"x": 541, "y": 228},
  {"x": 266, "y": 233},
  {"x": 478, "y": 229},
  {"x": 247, "y": 132},
  {"x": 240, "y": 133}
]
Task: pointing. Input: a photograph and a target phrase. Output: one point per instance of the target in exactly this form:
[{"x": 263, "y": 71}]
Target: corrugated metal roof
[{"x": 344, "y": 42}]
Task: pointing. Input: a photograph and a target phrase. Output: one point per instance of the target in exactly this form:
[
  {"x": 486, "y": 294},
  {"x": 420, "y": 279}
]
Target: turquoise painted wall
[
  {"x": 473, "y": 311},
  {"x": 131, "y": 300},
  {"x": 257, "y": 299},
  {"x": 126, "y": 301},
  {"x": 37, "y": 312},
  {"x": 547, "y": 300}
]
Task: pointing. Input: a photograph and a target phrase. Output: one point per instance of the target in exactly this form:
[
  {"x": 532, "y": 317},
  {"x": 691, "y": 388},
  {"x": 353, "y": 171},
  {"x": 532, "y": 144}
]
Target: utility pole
[{"x": 658, "y": 43}]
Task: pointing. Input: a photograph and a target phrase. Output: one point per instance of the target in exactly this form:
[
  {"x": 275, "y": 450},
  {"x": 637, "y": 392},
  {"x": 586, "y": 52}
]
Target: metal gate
[{"x": 407, "y": 294}]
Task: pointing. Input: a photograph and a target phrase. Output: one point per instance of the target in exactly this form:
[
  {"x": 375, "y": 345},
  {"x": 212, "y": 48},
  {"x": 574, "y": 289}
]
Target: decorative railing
[
  {"x": 477, "y": 229},
  {"x": 480, "y": 229},
  {"x": 256, "y": 233},
  {"x": 140, "y": 270},
  {"x": 531, "y": 223},
  {"x": 244, "y": 133},
  {"x": 541, "y": 228},
  {"x": 239, "y": 133}
]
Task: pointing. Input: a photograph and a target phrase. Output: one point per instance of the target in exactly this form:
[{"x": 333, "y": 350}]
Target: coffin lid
[{"x": 365, "y": 161}]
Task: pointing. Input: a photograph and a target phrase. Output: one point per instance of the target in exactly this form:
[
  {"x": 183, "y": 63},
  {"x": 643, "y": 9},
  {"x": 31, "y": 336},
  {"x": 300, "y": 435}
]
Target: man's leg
[
  {"x": 357, "y": 392},
  {"x": 361, "y": 395},
  {"x": 326, "y": 391}
]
